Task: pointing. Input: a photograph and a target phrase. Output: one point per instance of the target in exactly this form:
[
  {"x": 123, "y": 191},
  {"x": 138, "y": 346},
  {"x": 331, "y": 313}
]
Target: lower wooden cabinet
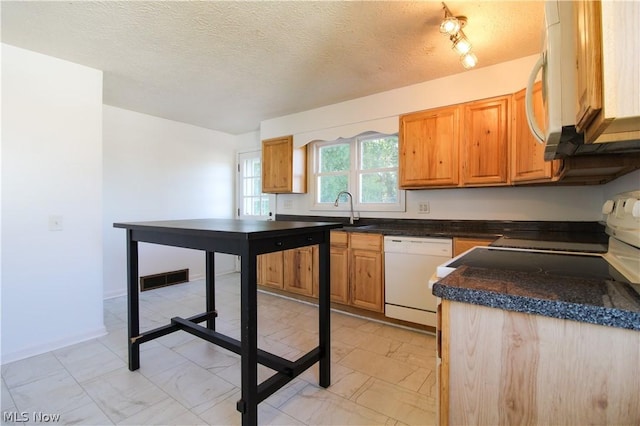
[
  {"x": 367, "y": 271},
  {"x": 339, "y": 253},
  {"x": 270, "y": 270},
  {"x": 460, "y": 245},
  {"x": 298, "y": 274},
  {"x": 357, "y": 270}
]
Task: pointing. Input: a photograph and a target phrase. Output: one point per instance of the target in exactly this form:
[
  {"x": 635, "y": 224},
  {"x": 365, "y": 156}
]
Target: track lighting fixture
[{"x": 451, "y": 26}]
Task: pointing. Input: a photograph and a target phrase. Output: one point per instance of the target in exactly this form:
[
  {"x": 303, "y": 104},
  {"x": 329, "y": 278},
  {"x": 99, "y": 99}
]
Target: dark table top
[{"x": 245, "y": 229}]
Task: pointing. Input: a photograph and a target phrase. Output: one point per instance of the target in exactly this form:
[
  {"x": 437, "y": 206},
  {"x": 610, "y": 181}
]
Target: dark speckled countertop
[
  {"x": 579, "y": 232},
  {"x": 593, "y": 300}
]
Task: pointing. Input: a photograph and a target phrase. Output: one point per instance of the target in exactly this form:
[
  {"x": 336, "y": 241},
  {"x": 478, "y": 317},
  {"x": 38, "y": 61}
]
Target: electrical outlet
[
  {"x": 423, "y": 207},
  {"x": 288, "y": 204}
]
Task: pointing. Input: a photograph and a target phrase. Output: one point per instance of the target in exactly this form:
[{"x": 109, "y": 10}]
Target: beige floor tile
[
  {"x": 55, "y": 394},
  {"x": 429, "y": 387},
  {"x": 317, "y": 406},
  {"x": 89, "y": 414},
  {"x": 299, "y": 339},
  {"x": 123, "y": 393},
  {"x": 397, "y": 403},
  {"x": 378, "y": 366},
  {"x": 414, "y": 355},
  {"x": 224, "y": 412},
  {"x": 88, "y": 360},
  {"x": 380, "y": 345},
  {"x": 415, "y": 380},
  {"x": 7, "y": 401},
  {"x": 352, "y": 336},
  {"x": 158, "y": 359},
  {"x": 38, "y": 367},
  {"x": 380, "y": 374},
  {"x": 166, "y": 412},
  {"x": 207, "y": 355},
  {"x": 193, "y": 386}
]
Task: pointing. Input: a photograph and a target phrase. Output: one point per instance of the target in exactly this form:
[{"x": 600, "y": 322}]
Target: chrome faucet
[{"x": 351, "y": 215}]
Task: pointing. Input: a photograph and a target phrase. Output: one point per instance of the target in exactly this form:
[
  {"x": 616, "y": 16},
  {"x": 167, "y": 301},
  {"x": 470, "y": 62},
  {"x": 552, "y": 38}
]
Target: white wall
[
  {"x": 51, "y": 166},
  {"x": 158, "y": 169},
  {"x": 576, "y": 203}
]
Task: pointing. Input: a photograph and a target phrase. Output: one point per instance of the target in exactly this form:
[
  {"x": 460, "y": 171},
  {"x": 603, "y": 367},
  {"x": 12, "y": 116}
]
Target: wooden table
[{"x": 246, "y": 239}]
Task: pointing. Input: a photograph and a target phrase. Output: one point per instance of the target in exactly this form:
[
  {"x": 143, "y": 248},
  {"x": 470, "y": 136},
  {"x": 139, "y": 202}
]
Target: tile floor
[{"x": 381, "y": 374}]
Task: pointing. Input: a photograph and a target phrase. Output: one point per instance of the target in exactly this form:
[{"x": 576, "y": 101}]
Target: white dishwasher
[{"x": 409, "y": 262}]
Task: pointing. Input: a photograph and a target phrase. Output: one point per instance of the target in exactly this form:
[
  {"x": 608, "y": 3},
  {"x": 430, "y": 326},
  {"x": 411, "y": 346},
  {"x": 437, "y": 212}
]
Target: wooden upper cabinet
[
  {"x": 527, "y": 154},
  {"x": 428, "y": 145},
  {"x": 607, "y": 63},
  {"x": 284, "y": 168},
  {"x": 485, "y": 142}
]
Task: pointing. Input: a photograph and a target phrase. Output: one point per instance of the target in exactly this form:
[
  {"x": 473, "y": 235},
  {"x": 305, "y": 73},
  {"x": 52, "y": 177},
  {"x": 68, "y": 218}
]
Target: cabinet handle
[{"x": 279, "y": 243}]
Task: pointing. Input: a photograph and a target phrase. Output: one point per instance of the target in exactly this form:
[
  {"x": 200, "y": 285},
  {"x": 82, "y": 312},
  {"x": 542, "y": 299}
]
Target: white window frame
[{"x": 354, "y": 174}]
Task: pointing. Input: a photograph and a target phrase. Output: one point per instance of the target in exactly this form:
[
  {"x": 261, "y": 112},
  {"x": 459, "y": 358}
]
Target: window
[
  {"x": 251, "y": 202},
  {"x": 366, "y": 166}
]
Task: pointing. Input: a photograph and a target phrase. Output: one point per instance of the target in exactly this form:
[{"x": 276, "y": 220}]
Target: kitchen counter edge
[{"x": 452, "y": 287}]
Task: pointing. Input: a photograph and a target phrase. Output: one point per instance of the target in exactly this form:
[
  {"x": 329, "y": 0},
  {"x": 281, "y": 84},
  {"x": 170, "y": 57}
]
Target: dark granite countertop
[
  {"x": 592, "y": 300},
  {"x": 579, "y": 232}
]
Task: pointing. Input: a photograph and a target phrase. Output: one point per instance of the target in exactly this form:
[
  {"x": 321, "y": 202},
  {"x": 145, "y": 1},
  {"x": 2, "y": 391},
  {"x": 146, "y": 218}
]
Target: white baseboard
[{"x": 41, "y": 348}]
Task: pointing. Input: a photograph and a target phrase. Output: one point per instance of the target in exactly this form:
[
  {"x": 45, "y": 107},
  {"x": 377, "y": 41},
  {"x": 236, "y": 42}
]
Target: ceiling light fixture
[{"x": 451, "y": 26}]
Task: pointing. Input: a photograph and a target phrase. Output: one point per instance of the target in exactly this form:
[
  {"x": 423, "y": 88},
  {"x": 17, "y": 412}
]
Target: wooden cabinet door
[
  {"x": 485, "y": 142},
  {"x": 270, "y": 271},
  {"x": 339, "y": 255},
  {"x": 588, "y": 30},
  {"x": 283, "y": 167},
  {"x": 527, "y": 155},
  {"x": 298, "y": 270},
  {"x": 428, "y": 146},
  {"x": 367, "y": 288},
  {"x": 339, "y": 274}
]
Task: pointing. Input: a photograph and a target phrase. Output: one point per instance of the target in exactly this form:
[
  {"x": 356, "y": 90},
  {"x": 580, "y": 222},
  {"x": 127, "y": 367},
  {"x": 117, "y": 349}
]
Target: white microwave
[{"x": 557, "y": 63}]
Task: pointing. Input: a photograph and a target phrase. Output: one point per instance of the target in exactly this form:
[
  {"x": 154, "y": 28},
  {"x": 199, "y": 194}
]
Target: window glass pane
[
  {"x": 334, "y": 158},
  {"x": 264, "y": 206},
  {"x": 379, "y": 153},
  {"x": 330, "y": 186},
  {"x": 380, "y": 187},
  {"x": 256, "y": 168}
]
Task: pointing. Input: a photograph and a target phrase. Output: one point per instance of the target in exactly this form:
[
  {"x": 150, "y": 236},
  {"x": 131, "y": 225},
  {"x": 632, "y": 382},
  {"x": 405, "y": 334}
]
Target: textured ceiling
[{"x": 227, "y": 65}]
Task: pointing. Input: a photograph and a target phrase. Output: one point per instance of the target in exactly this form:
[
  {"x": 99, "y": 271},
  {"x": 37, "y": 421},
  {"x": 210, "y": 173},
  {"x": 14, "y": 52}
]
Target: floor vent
[{"x": 164, "y": 279}]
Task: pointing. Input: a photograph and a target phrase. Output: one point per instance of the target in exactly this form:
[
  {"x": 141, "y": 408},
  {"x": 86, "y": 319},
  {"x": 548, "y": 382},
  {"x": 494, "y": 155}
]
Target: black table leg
[
  {"x": 324, "y": 320},
  {"x": 210, "y": 288},
  {"x": 248, "y": 405},
  {"x": 133, "y": 302}
]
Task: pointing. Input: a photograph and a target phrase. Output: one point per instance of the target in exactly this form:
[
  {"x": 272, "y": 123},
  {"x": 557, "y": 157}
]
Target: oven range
[{"x": 620, "y": 263}]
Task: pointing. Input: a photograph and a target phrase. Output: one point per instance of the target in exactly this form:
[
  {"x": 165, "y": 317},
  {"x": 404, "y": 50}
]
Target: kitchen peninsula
[
  {"x": 246, "y": 239},
  {"x": 521, "y": 348}
]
